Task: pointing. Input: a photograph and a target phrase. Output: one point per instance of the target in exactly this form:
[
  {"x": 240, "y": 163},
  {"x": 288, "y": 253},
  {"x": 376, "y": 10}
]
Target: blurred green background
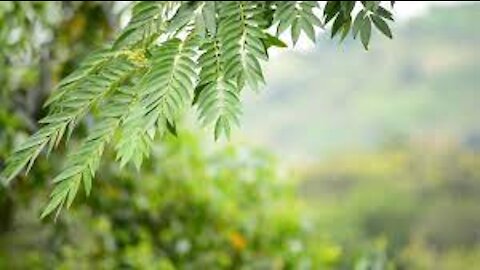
[{"x": 348, "y": 160}]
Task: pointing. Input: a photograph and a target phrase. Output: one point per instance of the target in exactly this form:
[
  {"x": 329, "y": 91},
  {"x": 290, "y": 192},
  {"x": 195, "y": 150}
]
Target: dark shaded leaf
[
  {"x": 270, "y": 41},
  {"x": 381, "y": 25},
  {"x": 366, "y": 32}
]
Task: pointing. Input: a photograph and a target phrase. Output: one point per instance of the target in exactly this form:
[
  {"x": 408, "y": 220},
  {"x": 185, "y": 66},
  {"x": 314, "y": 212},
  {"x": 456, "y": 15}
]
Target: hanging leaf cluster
[{"x": 173, "y": 55}]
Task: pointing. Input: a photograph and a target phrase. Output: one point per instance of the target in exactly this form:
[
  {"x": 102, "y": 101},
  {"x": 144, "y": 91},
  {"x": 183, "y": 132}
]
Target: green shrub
[{"x": 191, "y": 207}]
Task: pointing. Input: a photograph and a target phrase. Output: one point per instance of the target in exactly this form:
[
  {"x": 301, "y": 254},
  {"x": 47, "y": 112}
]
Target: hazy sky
[
  {"x": 407, "y": 9},
  {"x": 403, "y": 11}
]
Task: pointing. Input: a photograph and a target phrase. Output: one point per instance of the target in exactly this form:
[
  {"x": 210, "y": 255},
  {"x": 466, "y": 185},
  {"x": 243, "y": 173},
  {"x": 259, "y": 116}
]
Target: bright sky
[
  {"x": 403, "y": 11},
  {"x": 407, "y": 9}
]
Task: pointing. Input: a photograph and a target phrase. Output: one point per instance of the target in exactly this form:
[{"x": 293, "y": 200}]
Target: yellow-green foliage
[
  {"x": 420, "y": 201},
  {"x": 190, "y": 207}
]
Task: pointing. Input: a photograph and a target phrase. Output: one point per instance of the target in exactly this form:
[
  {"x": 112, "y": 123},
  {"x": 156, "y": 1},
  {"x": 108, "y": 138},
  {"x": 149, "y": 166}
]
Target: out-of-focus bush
[
  {"x": 191, "y": 207},
  {"x": 421, "y": 200}
]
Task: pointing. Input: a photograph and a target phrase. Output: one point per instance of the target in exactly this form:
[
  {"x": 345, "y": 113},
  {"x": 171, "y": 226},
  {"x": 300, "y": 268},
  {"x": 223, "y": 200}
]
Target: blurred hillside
[
  {"x": 422, "y": 85},
  {"x": 393, "y": 134}
]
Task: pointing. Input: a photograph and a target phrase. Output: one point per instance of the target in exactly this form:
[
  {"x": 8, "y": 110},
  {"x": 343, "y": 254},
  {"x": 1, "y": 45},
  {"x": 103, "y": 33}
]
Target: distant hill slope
[{"x": 425, "y": 83}]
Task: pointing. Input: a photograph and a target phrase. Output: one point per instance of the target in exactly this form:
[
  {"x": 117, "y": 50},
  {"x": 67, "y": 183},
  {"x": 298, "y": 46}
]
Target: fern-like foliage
[
  {"x": 82, "y": 164},
  {"x": 240, "y": 35},
  {"x": 217, "y": 95},
  {"x": 172, "y": 55},
  {"x": 163, "y": 93},
  {"x": 299, "y": 17},
  {"x": 76, "y": 94}
]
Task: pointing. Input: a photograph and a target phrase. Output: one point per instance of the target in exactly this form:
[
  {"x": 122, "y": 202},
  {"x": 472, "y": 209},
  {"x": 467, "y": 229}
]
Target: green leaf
[
  {"x": 366, "y": 32},
  {"x": 270, "y": 41},
  {"x": 55, "y": 202},
  {"x": 299, "y": 16},
  {"x": 371, "y": 5},
  {"x": 183, "y": 16},
  {"x": 172, "y": 128},
  {"x": 217, "y": 99},
  {"x": 307, "y": 28},
  {"x": 337, "y": 24},
  {"x": 347, "y": 7},
  {"x": 331, "y": 9},
  {"x": 358, "y": 23},
  {"x": 220, "y": 128},
  {"x": 240, "y": 43},
  {"x": 82, "y": 163},
  {"x": 384, "y": 13},
  {"x": 209, "y": 13},
  {"x": 87, "y": 182},
  {"x": 296, "y": 28},
  {"x": 311, "y": 18},
  {"x": 68, "y": 173},
  {"x": 200, "y": 27},
  {"x": 346, "y": 28},
  {"x": 146, "y": 15},
  {"x": 163, "y": 94},
  {"x": 381, "y": 25},
  {"x": 73, "y": 191}
]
